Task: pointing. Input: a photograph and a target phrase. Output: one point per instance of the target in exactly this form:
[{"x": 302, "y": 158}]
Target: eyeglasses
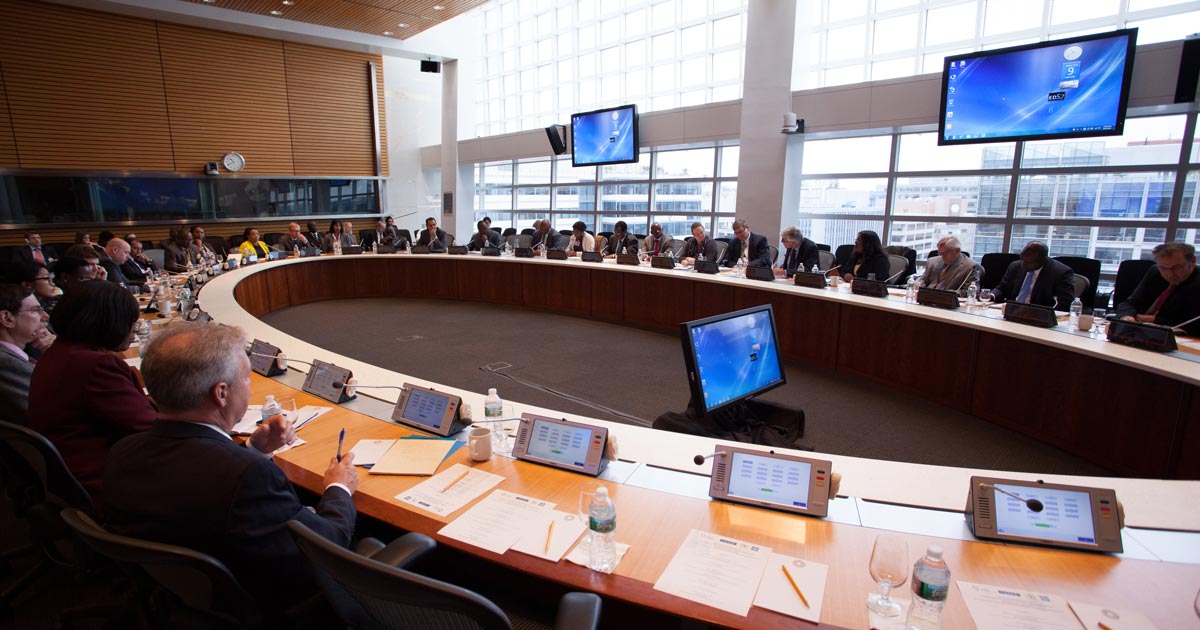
[
  {"x": 36, "y": 309},
  {"x": 46, "y": 278}
]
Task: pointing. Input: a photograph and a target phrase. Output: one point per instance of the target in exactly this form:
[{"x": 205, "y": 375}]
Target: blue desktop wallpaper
[
  {"x": 735, "y": 357},
  {"x": 1071, "y": 88},
  {"x": 603, "y": 137}
]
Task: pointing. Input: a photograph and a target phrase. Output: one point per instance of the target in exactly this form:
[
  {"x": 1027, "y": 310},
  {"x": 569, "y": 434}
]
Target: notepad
[{"x": 413, "y": 457}]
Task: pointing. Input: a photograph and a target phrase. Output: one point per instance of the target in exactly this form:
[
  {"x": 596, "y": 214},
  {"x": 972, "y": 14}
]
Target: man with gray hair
[
  {"x": 1169, "y": 293},
  {"x": 185, "y": 482},
  {"x": 950, "y": 270},
  {"x": 800, "y": 254}
]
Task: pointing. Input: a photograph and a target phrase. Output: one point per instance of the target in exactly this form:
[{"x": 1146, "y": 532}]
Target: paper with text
[
  {"x": 367, "y": 452},
  {"x": 716, "y": 571},
  {"x": 1118, "y": 619},
  {"x": 498, "y": 521},
  {"x": 413, "y": 457},
  {"x": 775, "y": 592},
  {"x": 1000, "y": 608},
  {"x": 432, "y": 495},
  {"x": 567, "y": 529}
]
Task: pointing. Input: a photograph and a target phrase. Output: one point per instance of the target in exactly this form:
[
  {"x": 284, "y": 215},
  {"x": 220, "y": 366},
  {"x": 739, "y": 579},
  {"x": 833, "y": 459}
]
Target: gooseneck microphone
[
  {"x": 340, "y": 385},
  {"x": 1033, "y": 504},
  {"x": 281, "y": 357},
  {"x": 699, "y": 459}
]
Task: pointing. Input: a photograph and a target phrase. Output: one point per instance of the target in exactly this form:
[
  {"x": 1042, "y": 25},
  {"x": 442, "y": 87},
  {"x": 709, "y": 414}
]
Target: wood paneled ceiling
[{"x": 400, "y": 19}]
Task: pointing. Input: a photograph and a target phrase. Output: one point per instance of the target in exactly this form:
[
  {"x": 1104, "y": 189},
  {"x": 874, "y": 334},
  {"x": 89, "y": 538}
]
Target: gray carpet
[{"x": 640, "y": 373}]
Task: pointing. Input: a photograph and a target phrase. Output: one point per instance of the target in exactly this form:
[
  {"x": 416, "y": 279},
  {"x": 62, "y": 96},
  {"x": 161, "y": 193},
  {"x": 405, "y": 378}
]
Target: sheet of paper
[
  {"x": 431, "y": 495},
  {"x": 1000, "y": 608},
  {"x": 249, "y": 421},
  {"x": 367, "y": 452},
  {"x": 716, "y": 571},
  {"x": 307, "y": 414},
  {"x": 413, "y": 457},
  {"x": 552, "y": 544},
  {"x": 579, "y": 555},
  {"x": 134, "y": 362},
  {"x": 775, "y": 592},
  {"x": 1091, "y": 615},
  {"x": 287, "y": 447},
  {"x": 498, "y": 521},
  {"x": 876, "y": 621}
]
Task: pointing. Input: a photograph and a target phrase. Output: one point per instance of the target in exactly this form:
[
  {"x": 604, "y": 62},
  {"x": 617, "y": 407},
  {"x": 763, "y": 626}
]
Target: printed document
[
  {"x": 715, "y": 570},
  {"x": 1000, "y": 608},
  {"x": 432, "y": 495},
  {"x": 498, "y": 521}
]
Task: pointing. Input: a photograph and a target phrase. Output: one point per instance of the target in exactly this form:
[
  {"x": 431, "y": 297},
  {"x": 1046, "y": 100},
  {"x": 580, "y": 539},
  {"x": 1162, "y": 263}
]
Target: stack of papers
[
  {"x": 499, "y": 521},
  {"x": 413, "y": 456},
  {"x": 449, "y": 490}
]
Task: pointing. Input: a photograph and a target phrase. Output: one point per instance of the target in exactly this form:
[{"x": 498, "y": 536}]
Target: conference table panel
[
  {"x": 656, "y": 302},
  {"x": 494, "y": 282},
  {"x": 430, "y": 277},
  {"x": 607, "y": 295},
  {"x": 253, "y": 295},
  {"x": 919, "y": 356},
  {"x": 1186, "y": 462},
  {"x": 807, "y": 328},
  {"x": 710, "y": 298},
  {"x": 1118, "y": 417},
  {"x": 322, "y": 282},
  {"x": 556, "y": 288}
]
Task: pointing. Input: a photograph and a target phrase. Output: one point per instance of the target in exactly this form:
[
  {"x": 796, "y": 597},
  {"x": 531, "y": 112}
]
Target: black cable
[{"x": 575, "y": 399}]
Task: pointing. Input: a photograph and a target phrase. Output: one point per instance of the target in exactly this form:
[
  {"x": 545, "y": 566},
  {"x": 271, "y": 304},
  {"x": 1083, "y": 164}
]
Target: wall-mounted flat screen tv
[
  {"x": 1068, "y": 88},
  {"x": 605, "y": 136}
]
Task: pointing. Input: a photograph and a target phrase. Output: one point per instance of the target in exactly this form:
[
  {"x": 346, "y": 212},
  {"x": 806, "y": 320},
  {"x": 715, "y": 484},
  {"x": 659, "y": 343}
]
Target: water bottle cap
[
  {"x": 934, "y": 551},
  {"x": 602, "y": 492},
  {"x": 492, "y": 391}
]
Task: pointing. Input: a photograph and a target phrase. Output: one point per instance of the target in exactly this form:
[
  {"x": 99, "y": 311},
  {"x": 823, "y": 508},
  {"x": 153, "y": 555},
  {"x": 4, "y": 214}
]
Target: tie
[
  {"x": 37, "y": 255},
  {"x": 1162, "y": 299},
  {"x": 788, "y": 265},
  {"x": 1026, "y": 288},
  {"x": 657, "y": 244}
]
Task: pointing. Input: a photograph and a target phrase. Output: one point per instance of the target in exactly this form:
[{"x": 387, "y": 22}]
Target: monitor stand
[{"x": 751, "y": 420}]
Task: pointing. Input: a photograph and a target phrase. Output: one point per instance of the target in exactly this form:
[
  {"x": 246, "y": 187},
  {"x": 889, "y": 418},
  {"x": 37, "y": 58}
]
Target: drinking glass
[
  {"x": 288, "y": 405},
  {"x": 985, "y": 297},
  {"x": 1098, "y": 322},
  {"x": 504, "y": 433},
  {"x": 889, "y": 567},
  {"x": 587, "y": 492}
]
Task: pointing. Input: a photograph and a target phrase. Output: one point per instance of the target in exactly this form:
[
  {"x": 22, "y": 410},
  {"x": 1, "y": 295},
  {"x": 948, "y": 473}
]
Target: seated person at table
[
  {"x": 383, "y": 235},
  {"x": 312, "y": 235},
  {"x": 35, "y": 278},
  {"x": 348, "y": 230},
  {"x": 335, "y": 234},
  {"x": 252, "y": 246},
  {"x": 950, "y": 271},
  {"x": 580, "y": 240},
  {"x": 198, "y": 248},
  {"x": 1037, "y": 279},
  {"x": 432, "y": 236},
  {"x": 185, "y": 482},
  {"x": 747, "y": 245},
  {"x": 544, "y": 236},
  {"x": 295, "y": 239},
  {"x": 1169, "y": 293},
  {"x": 22, "y": 321},
  {"x": 139, "y": 266},
  {"x": 83, "y": 397},
  {"x": 70, "y": 271},
  {"x": 656, "y": 242},
  {"x": 86, "y": 253},
  {"x": 799, "y": 253},
  {"x": 483, "y": 238},
  {"x": 118, "y": 254},
  {"x": 175, "y": 254},
  {"x": 85, "y": 238},
  {"x": 32, "y": 250},
  {"x": 488, "y": 221},
  {"x": 699, "y": 246},
  {"x": 621, "y": 241},
  {"x": 868, "y": 259}
]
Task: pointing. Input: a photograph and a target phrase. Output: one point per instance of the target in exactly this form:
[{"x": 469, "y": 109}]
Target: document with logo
[
  {"x": 1092, "y": 615},
  {"x": 499, "y": 521},
  {"x": 450, "y": 489},
  {"x": 1000, "y": 608},
  {"x": 798, "y": 592},
  {"x": 551, "y": 539},
  {"x": 716, "y": 571}
]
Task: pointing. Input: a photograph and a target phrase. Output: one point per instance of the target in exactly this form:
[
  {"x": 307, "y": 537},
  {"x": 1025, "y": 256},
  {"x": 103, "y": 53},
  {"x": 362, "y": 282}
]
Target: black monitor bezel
[
  {"x": 689, "y": 357},
  {"x": 637, "y": 149}
]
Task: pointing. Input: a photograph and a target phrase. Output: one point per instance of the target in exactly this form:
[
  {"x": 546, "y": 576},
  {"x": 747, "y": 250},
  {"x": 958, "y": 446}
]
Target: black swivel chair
[
  {"x": 235, "y": 241},
  {"x": 842, "y": 254},
  {"x": 1088, "y": 268},
  {"x": 218, "y": 244},
  {"x": 823, "y": 247},
  {"x": 271, "y": 238},
  {"x": 1129, "y": 274},
  {"x": 528, "y": 231},
  {"x": 994, "y": 266},
  {"x": 774, "y": 254},
  {"x": 394, "y": 597},
  {"x": 508, "y": 232},
  {"x": 406, "y": 235}
]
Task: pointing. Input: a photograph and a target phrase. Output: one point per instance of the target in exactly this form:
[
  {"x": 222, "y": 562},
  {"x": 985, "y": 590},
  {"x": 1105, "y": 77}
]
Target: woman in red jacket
[{"x": 83, "y": 396}]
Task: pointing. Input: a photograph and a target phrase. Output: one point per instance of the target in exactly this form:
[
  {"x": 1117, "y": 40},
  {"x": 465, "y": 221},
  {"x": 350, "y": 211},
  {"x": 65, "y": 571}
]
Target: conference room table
[{"x": 661, "y": 493}]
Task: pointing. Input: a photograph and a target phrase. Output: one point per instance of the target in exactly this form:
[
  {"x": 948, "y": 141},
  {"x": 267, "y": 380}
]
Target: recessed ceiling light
[
  {"x": 288, "y": 3},
  {"x": 277, "y": 13},
  {"x": 438, "y": 7},
  {"x": 209, "y": 1},
  {"x": 387, "y": 33},
  {"x": 402, "y": 25}
]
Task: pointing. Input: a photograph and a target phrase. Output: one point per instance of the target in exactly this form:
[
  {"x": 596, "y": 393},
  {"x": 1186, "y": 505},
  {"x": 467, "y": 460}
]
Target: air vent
[
  {"x": 984, "y": 509},
  {"x": 719, "y": 469}
]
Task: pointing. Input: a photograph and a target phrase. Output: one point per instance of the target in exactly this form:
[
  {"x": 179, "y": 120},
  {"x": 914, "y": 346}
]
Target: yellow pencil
[
  {"x": 799, "y": 592},
  {"x": 456, "y": 480},
  {"x": 549, "y": 535},
  {"x": 1103, "y": 626}
]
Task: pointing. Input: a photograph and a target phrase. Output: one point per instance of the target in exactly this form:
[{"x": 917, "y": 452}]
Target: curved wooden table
[{"x": 655, "y": 522}]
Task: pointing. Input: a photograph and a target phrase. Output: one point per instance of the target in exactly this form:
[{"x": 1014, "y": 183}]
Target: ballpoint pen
[{"x": 341, "y": 438}]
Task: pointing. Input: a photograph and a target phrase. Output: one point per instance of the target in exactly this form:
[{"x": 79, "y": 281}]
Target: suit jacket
[
  {"x": 630, "y": 244},
  {"x": 805, "y": 257},
  {"x": 436, "y": 241},
  {"x": 664, "y": 246},
  {"x": 15, "y": 372},
  {"x": 373, "y": 238},
  {"x": 760, "y": 252},
  {"x": 479, "y": 241},
  {"x": 84, "y": 400},
  {"x": 186, "y": 484},
  {"x": 314, "y": 238},
  {"x": 692, "y": 250},
  {"x": 881, "y": 266},
  {"x": 24, "y": 254},
  {"x": 115, "y": 274},
  {"x": 175, "y": 258},
  {"x": 134, "y": 271},
  {"x": 552, "y": 240},
  {"x": 1182, "y": 305},
  {"x": 958, "y": 277},
  {"x": 1055, "y": 285},
  {"x": 346, "y": 240}
]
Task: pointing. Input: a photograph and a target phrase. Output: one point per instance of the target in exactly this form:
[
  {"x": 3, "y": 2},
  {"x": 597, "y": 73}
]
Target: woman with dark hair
[
  {"x": 335, "y": 235},
  {"x": 252, "y": 246},
  {"x": 83, "y": 238},
  {"x": 83, "y": 397},
  {"x": 868, "y": 258}
]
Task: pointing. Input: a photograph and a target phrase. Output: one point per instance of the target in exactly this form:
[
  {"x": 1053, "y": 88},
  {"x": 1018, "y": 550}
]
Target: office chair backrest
[
  {"x": 1081, "y": 287},
  {"x": 393, "y": 597},
  {"x": 218, "y": 244},
  {"x": 198, "y": 581},
  {"x": 677, "y": 246},
  {"x": 774, "y": 254},
  {"x": 896, "y": 271},
  {"x": 156, "y": 256},
  {"x": 405, "y": 234},
  {"x": 528, "y": 231},
  {"x": 1129, "y": 274},
  {"x": 994, "y": 266},
  {"x": 236, "y": 240},
  {"x": 721, "y": 247},
  {"x": 449, "y": 239},
  {"x": 842, "y": 255},
  {"x": 35, "y": 473},
  {"x": 824, "y": 260},
  {"x": 1088, "y": 268},
  {"x": 823, "y": 247}
]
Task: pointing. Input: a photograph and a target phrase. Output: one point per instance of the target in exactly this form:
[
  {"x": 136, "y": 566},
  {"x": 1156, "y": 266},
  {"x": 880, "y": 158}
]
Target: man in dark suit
[
  {"x": 484, "y": 237},
  {"x": 1169, "y": 293},
  {"x": 799, "y": 253},
  {"x": 117, "y": 251},
  {"x": 185, "y": 482},
  {"x": 757, "y": 251},
  {"x": 1037, "y": 279},
  {"x": 657, "y": 242},
  {"x": 699, "y": 246},
  {"x": 312, "y": 235},
  {"x": 543, "y": 235},
  {"x": 22, "y": 320},
  {"x": 432, "y": 236},
  {"x": 33, "y": 251},
  {"x": 621, "y": 241},
  {"x": 383, "y": 235}
]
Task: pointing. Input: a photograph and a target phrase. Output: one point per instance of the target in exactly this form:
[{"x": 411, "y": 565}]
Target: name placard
[
  {"x": 1152, "y": 337},
  {"x": 707, "y": 266},
  {"x": 810, "y": 280},
  {"x": 662, "y": 262},
  {"x": 593, "y": 257},
  {"x": 869, "y": 288},
  {"x": 556, "y": 254},
  {"x": 264, "y": 358},
  {"x": 1030, "y": 314},
  {"x": 937, "y": 297},
  {"x": 764, "y": 274},
  {"x": 457, "y": 250},
  {"x": 628, "y": 259}
]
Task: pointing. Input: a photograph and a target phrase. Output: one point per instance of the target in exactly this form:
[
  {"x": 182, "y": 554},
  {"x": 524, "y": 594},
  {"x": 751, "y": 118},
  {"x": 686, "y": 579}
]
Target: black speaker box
[
  {"x": 430, "y": 66},
  {"x": 557, "y": 142}
]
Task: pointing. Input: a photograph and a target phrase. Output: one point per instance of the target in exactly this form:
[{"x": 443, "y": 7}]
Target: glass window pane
[
  {"x": 1155, "y": 140},
  {"x": 636, "y": 170},
  {"x": 895, "y": 34},
  {"x": 893, "y": 69},
  {"x": 1113, "y": 196},
  {"x": 848, "y": 42},
  {"x": 683, "y": 164},
  {"x": 493, "y": 199},
  {"x": 729, "y": 161},
  {"x": 950, "y": 24},
  {"x": 683, "y": 197},
  {"x": 1189, "y": 234},
  {"x": 663, "y": 46},
  {"x": 694, "y": 39},
  {"x": 846, "y": 9},
  {"x": 498, "y": 173},
  {"x": 1165, "y": 29},
  {"x": 500, "y": 220},
  {"x": 847, "y": 155},
  {"x": 679, "y": 226},
  {"x": 727, "y": 197},
  {"x": 142, "y": 199},
  {"x": 835, "y": 232},
  {"x": 976, "y": 238},
  {"x": 662, "y": 14},
  {"x": 727, "y": 66},
  {"x": 537, "y": 198},
  {"x": 727, "y": 31},
  {"x": 1191, "y": 200},
  {"x": 843, "y": 196},
  {"x": 1196, "y": 146},
  {"x": 574, "y": 198},
  {"x": 1065, "y": 11},
  {"x": 952, "y": 196},
  {"x": 920, "y": 152},
  {"x": 616, "y": 198},
  {"x": 567, "y": 221},
  {"x": 1006, "y": 16}
]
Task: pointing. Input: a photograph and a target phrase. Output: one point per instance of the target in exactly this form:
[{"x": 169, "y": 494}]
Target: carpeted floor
[{"x": 640, "y": 373}]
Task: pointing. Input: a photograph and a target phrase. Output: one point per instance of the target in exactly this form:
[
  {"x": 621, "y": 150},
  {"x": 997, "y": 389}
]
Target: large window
[
  {"x": 674, "y": 187},
  {"x": 1111, "y": 198}
]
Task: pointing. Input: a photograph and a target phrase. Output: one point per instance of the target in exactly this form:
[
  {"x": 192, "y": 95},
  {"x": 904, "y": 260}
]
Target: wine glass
[
  {"x": 1098, "y": 322},
  {"x": 985, "y": 297},
  {"x": 587, "y": 492},
  {"x": 889, "y": 567}
]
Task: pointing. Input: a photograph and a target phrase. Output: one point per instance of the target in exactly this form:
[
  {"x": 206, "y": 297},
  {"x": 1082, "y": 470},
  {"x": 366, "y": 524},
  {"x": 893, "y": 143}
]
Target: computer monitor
[
  {"x": 605, "y": 136},
  {"x": 1068, "y": 88},
  {"x": 731, "y": 357}
]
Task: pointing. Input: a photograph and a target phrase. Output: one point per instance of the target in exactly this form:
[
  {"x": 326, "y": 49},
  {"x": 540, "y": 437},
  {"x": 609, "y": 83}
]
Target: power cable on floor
[{"x": 495, "y": 368}]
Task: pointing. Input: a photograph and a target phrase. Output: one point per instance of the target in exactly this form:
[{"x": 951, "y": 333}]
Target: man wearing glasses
[
  {"x": 1169, "y": 293},
  {"x": 22, "y": 320}
]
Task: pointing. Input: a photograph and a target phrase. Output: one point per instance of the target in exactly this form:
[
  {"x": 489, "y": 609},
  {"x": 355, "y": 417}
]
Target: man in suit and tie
[
  {"x": 117, "y": 251},
  {"x": 33, "y": 250},
  {"x": 657, "y": 242},
  {"x": 950, "y": 270},
  {"x": 1037, "y": 279},
  {"x": 746, "y": 244},
  {"x": 484, "y": 237},
  {"x": 544, "y": 236},
  {"x": 383, "y": 235},
  {"x": 22, "y": 321},
  {"x": 621, "y": 241},
  {"x": 432, "y": 236},
  {"x": 186, "y": 482},
  {"x": 1169, "y": 293},
  {"x": 312, "y": 235},
  {"x": 799, "y": 253},
  {"x": 699, "y": 246}
]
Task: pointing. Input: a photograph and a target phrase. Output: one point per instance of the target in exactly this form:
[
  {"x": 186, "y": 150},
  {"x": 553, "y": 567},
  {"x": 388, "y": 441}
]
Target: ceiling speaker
[{"x": 430, "y": 66}]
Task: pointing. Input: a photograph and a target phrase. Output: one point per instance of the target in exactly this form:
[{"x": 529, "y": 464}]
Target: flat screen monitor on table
[{"x": 731, "y": 357}]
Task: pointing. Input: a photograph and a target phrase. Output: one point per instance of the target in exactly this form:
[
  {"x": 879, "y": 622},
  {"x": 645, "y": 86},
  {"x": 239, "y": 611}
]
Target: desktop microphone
[
  {"x": 281, "y": 358},
  {"x": 894, "y": 276},
  {"x": 699, "y": 459},
  {"x": 1033, "y": 504},
  {"x": 1179, "y": 327},
  {"x": 960, "y": 286}
]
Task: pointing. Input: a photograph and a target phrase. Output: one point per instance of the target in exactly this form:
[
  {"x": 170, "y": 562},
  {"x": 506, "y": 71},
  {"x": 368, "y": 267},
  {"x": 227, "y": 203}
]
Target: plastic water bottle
[
  {"x": 930, "y": 586},
  {"x": 602, "y": 532},
  {"x": 493, "y": 409},
  {"x": 337, "y": 246},
  {"x": 910, "y": 291},
  {"x": 270, "y": 408},
  {"x": 1076, "y": 310},
  {"x": 972, "y": 295},
  {"x": 816, "y": 269}
]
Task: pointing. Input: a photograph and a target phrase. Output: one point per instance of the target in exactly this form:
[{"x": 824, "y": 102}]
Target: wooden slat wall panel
[
  {"x": 329, "y": 99},
  {"x": 84, "y": 89},
  {"x": 376, "y": 17},
  {"x": 8, "y": 144},
  {"x": 226, "y": 92}
]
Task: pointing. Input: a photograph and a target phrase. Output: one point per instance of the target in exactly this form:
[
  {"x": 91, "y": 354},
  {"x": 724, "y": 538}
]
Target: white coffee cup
[
  {"x": 164, "y": 306},
  {"x": 479, "y": 443},
  {"x": 1085, "y": 323}
]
